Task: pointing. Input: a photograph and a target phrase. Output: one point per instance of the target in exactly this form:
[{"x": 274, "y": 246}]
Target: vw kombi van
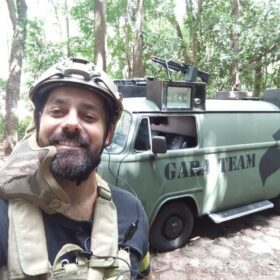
[{"x": 186, "y": 156}]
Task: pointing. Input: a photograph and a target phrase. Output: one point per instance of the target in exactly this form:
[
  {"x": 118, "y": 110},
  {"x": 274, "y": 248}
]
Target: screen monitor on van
[{"x": 178, "y": 97}]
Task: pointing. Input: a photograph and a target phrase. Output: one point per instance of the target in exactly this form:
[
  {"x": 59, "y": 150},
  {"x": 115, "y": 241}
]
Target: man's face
[{"x": 73, "y": 120}]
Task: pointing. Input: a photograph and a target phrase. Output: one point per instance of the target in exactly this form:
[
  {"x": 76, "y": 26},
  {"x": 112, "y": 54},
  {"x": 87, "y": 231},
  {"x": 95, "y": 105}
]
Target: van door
[{"x": 180, "y": 172}]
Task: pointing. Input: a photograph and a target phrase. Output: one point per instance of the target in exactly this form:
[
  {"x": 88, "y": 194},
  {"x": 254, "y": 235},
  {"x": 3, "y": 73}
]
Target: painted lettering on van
[
  {"x": 183, "y": 169},
  {"x": 238, "y": 162}
]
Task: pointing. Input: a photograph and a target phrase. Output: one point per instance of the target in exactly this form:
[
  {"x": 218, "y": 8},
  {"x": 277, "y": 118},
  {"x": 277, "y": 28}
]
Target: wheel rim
[{"x": 173, "y": 227}]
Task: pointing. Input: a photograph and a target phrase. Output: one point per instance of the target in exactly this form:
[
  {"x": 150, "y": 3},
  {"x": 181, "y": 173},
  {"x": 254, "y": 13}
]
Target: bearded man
[{"x": 58, "y": 218}]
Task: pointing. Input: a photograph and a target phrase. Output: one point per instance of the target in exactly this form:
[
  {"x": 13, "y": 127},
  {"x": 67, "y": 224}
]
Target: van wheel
[
  {"x": 276, "y": 202},
  {"x": 172, "y": 227}
]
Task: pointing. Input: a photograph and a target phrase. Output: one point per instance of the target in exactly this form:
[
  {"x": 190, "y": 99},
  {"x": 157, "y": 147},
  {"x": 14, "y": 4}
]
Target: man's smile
[{"x": 68, "y": 143}]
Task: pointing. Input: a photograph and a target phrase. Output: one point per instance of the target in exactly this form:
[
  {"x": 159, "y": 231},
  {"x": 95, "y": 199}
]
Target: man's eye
[
  {"x": 89, "y": 118},
  {"x": 56, "y": 112}
]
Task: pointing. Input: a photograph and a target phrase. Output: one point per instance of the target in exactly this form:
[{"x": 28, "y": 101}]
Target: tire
[
  {"x": 276, "y": 202},
  {"x": 172, "y": 227}
]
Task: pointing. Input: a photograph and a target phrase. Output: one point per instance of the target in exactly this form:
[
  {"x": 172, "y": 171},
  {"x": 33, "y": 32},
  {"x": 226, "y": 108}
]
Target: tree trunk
[
  {"x": 235, "y": 83},
  {"x": 15, "y": 65},
  {"x": 138, "y": 70},
  {"x": 183, "y": 46},
  {"x": 194, "y": 25},
  {"x": 57, "y": 17},
  {"x": 67, "y": 28},
  {"x": 192, "y": 31},
  {"x": 127, "y": 71},
  {"x": 100, "y": 33},
  {"x": 258, "y": 80}
]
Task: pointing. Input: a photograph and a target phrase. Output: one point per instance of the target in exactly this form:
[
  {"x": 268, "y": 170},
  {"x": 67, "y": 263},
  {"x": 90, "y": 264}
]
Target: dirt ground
[{"x": 247, "y": 248}]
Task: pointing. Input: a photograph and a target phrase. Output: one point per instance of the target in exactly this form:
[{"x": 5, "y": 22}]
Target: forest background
[{"x": 235, "y": 41}]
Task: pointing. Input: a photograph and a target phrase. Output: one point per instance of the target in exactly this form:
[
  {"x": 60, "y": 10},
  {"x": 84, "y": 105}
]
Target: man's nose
[{"x": 72, "y": 122}]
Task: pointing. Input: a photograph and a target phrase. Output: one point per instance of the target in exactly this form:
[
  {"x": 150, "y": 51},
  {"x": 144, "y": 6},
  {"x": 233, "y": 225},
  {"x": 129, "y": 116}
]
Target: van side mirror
[{"x": 159, "y": 145}]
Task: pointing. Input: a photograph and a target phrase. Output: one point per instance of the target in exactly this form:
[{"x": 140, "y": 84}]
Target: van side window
[
  {"x": 179, "y": 131},
  {"x": 142, "y": 142}
]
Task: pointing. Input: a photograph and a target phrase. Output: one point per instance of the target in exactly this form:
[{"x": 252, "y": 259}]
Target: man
[{"x": 58, "y": 218}]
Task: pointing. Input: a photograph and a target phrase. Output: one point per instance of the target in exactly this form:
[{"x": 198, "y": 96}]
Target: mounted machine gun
[{"x": 190, "y": 71}]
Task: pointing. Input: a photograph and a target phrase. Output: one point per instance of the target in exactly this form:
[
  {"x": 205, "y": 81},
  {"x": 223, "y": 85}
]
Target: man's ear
[{"x": 110, "y": 134}]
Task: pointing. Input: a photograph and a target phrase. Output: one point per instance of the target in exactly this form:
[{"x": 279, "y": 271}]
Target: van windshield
[{"x": 121, "y": 133}]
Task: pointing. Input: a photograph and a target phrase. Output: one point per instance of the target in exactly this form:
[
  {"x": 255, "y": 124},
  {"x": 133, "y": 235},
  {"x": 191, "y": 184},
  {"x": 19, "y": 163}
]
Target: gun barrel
[
  {"x": 134, "y": 81},
  {"x": 178, "y": 67},
  {"x": 158, "y": 60},
  {"x": 170, "y": 64},
  {"x": 191, "y": 71}
]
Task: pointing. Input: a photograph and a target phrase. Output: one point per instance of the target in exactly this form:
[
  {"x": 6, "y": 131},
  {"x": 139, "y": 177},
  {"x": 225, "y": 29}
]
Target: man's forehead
[{"x": 67, "y": 95}]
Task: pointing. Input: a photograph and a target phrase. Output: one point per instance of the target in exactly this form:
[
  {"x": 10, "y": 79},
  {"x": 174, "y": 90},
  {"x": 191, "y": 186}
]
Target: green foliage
[
  {"x": 83, "y": 13},
  {"x": 216, "y": 54},
  {"x": 157, "y": 31},
  {"x": 22, "y": 125},
  {"x": 260, "y": 37},
  {"x": 204, "y": 38},
  {"x": 2, "y": 104},
  {"x": 2, "y": 89},
  {"x": 2, "y": 126},
  {"x": 2, "y": 85},
  {"x": 40, "y": 53}
]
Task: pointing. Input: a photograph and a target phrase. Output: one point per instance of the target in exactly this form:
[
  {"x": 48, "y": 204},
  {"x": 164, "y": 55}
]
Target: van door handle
[{"x": 197, "y": 169}]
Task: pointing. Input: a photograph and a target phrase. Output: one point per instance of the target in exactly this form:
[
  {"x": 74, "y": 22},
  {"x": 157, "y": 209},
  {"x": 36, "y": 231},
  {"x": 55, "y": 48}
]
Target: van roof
[
  {"x": 141, "y": 104},
  {"x": 239, "y": 105}
]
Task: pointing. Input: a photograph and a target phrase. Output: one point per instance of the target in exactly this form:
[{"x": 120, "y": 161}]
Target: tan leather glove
[{"x": 26, "y": 175}]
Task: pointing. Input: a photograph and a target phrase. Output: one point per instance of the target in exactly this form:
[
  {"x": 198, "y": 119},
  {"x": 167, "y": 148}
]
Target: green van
[{"x": 185, "y": 156}]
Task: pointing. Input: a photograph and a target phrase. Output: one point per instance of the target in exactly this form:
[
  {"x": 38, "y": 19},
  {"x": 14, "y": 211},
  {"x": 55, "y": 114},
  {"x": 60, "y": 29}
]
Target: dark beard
[{"x": 74, "y": 165}]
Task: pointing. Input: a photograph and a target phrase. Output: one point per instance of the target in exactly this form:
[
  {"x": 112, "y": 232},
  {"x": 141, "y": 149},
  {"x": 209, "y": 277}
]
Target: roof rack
[
  {"x": 132, "y": 87},
  {"x": 236, "y": 95}
]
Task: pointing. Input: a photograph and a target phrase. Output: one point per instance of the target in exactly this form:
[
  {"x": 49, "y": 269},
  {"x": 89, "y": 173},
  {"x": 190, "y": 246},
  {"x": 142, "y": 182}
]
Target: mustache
[{"x": 69, "y": 136}]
